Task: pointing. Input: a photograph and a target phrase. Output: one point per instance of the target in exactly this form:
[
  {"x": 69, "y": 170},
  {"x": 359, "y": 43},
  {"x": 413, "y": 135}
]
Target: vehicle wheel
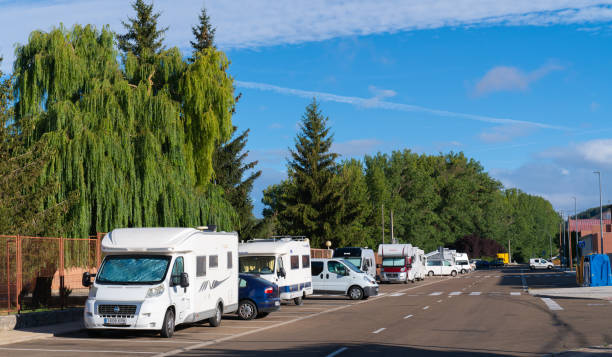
[
  {"x": 167, "y": 329},
  {"x": 298, "y": 300},
  {"x": 247, "y": 310},
  {"x": 430, "y": 273},
  {"x": 463, "y": 271},
  {"x": 454, "y": 273},
  {"x": 262, "y": 314},
  {"x": 406, "y": 281},
  {"x": 355, "y": 293},
  {"x": 413, "y": 281},
  {"x": 216, "y": 320},
  {"x": 549, "y": 267}
]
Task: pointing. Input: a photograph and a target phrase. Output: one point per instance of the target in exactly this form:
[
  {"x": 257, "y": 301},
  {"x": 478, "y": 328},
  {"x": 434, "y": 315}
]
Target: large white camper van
[
  {"x": 362, "y": 258},
  {"x": 156, "y": 278},
  {"x": 396, "y": 263},
  {"x": 284, "y": 261}
]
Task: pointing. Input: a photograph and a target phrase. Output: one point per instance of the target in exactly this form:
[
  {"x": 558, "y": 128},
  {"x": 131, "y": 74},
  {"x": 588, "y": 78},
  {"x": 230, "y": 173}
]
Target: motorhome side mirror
[
  {"x": 184, "y": 280},
  {"x": 282, "y": 272},
  {"x": 86, "y": 279}
]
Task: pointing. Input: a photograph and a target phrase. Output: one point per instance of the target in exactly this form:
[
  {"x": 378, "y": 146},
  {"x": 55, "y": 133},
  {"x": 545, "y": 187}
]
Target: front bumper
[
  {"x": 370, "y": 291},
  {"x": 393, "y": 276},
  {"x": 147, "y": 316}
]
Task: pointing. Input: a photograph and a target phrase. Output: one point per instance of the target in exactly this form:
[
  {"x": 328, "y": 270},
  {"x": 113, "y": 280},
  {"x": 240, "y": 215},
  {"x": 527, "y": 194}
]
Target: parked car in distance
[
  {"x": 257, "y": 297},
  {"x": 497, "y": 263},
  {"x": 482, "y": 264},
  {"x": 539, "y": 263},
  {"x": 441, "y": 267}
]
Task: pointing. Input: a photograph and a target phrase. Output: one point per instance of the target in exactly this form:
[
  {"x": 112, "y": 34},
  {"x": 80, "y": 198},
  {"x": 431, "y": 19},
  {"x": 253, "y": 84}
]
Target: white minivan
[
  {"x": 539, "y": 263},
  {"x": 340, "y": 277},
  {"x": 157, "y": 278},
  {"x": 441, "y": 267}
]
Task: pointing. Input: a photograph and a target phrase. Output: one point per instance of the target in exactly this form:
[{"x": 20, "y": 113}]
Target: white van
[
  {"x": 341, "y": 277},
  {"x": 396, "y": 263},
  {"x": 157, "y": 278},
  {"x": 283, "y": 261},
  {"x": 441, "y": 267},
  {"x": 539, "y": 263},
  {"x": 363, "y": 258},
  {"x": 462, "y": 260}
]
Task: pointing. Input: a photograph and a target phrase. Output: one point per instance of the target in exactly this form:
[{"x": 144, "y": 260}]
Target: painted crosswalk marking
[
  {"x": 436, "y": 293},
  {"x": 380, "y": 330},
  {"x": 552, "y": 304},
  {"x": 455, "y": 293},
  {"x": 397, "y": 294},
  {"x": 407, "y": 317}
]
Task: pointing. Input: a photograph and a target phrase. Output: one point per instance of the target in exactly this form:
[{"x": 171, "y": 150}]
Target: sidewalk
[
  {"x": 584, "y": 352},
  {"x": 597, "y": 292},
  {"x": 35, "y": 333}
]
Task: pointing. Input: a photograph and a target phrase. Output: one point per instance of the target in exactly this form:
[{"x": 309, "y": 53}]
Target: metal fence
[{"x": 45, "y": 272}]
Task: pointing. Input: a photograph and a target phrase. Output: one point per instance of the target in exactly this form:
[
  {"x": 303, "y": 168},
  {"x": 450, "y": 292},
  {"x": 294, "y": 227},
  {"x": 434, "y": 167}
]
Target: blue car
[{"x": 257, "y": 297}]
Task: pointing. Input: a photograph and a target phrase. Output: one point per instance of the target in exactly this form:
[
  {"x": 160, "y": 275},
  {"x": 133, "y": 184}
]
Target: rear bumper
[
  {"x": 370, "y": 291},
  {"x": 269, "y": 305}
]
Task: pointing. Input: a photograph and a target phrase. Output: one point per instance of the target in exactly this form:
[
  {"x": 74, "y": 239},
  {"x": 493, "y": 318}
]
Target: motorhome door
[{"x": 178, "y": 295}]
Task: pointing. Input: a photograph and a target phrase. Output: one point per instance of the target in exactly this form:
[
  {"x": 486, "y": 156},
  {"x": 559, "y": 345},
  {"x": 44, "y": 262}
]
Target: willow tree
[{"x": 133, "y": 141}]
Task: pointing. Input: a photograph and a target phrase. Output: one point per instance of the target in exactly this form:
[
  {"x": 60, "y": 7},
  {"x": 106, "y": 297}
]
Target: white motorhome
[
  {"x": 340, "y": 276},
  {"x": 157, "y": 278},
  {"x": 419, "y": 264},
  {"x": 283, "y": 261},
  {"x": 363, "y": 258},
  {"x": 462, "y": 260},
  {"x": 396, "y": 263}
]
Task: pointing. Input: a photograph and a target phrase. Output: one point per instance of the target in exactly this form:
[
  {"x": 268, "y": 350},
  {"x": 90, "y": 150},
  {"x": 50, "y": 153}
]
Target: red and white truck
[{"x": 396, "y": 263}]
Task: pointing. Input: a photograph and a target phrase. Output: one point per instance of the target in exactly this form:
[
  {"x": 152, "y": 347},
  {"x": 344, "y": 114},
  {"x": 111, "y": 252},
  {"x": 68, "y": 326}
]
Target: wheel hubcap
[
  {"x": 246, "y": 310},
  {"x": 170, "y": 324}
]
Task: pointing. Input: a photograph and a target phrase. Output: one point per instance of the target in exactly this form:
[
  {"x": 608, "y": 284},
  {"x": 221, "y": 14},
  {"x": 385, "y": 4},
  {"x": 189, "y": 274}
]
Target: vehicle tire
[
  {"x": 167, "y": 329},
  {"x": 298, "y": 300},
  {"x": 247, "y": 310},
  {"x": 262, "y": 314},
  {"x": 550, "y": 267},
  {"x": 355, "y": 293},
  {"x": 215, "y": 321},
  {"x": 413, "y": 280},
  {"x": 431, "y": 273},
  {"x": 463, "y": 271},
  {"x": 454, "y": 273},
  {"x": 406, "y": 281}
]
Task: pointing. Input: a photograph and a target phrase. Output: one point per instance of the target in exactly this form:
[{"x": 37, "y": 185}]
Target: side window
[
  {"x": 295, "y": 262},
  {"x": 242, "y": 283},
  {"x": 229, "y": 260},
  {"x": 177, "y": 270},
  {"x": 213, "y": 261},
  {"x": 316, "y": 268},
  {"x": 447, "y": 263},
  {"x": 201, "y": 265},
  {"x": 305, "y": 261},
  {"x": 336, "y": 267}
]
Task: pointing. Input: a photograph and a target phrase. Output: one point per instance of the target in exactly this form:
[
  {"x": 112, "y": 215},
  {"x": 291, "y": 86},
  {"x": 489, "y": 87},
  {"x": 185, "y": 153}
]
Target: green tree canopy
[
  {"x": 204, "y": 33},
  {"x": 142, "y": 35}
]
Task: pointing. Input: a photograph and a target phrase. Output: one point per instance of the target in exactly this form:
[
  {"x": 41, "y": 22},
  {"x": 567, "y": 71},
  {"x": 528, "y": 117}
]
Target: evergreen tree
[
  {"x": 142, "y": 34},
  {"x": 230, "y": 168},
  {"x": 204, "y": 33}
]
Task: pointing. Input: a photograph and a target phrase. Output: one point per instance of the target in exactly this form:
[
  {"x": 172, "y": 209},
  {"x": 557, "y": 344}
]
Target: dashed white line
[
  {"x": 552, "y": 304},
  {"x": 475, "y": 293},
  {"x": 397, "y": 294},
  {"x": 455, "y": 293},
  {"x": 426, "y": 307},
  {"x": 337, "y": 352},
  {"x": 439, "y": 301},
  {"x": 407, "y": 317},
  {"x": 77, "y": 351},
  {"x": 379, "y": 330},
  {"x": 515, "y": 293},
  {"x": 436, "y": 293}
]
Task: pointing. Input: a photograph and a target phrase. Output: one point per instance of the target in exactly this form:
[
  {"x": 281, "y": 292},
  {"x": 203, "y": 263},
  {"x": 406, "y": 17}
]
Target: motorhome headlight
[{"x": 156, "y": 291}]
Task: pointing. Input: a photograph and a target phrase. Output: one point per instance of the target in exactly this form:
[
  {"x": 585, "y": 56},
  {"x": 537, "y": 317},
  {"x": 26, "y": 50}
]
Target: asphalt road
[{"x": 484, "y": 313}]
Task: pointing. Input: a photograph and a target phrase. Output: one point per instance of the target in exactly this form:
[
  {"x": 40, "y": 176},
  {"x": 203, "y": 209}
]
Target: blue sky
[{"x": 521, "y": 86}]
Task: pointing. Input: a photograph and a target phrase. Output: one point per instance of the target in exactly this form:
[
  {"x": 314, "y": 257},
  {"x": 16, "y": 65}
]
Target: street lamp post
[{"x": 600, "y": 212}]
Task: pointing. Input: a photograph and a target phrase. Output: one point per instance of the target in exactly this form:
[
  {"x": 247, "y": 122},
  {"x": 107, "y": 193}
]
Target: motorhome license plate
[{"x": 115, "y": 321}]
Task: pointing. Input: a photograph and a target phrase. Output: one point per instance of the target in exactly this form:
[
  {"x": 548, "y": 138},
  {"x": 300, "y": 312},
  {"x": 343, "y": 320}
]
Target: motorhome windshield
[
  {"x": 142, "y": 269},
  {"x": 354, "y": 261},
  {"x": 257, "y": 264},
  {"x": 352, "y": 266},
  {"x": 393, "y": 262}
]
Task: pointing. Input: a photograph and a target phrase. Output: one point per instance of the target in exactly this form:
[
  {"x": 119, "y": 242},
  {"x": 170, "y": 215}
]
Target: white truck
[
  {"x": 341, "y": 277},
  {"x": 396, "y": 263},
  {"x": 363, "y": 258},
  {"x": 463, "y": 262},
  {"x": 284, "y": 261},
  {"x": 157, "y": 278}
]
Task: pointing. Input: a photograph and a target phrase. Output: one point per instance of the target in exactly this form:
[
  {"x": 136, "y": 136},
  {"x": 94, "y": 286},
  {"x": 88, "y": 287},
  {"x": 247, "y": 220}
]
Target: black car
[
  {"x": 482, "y": 264},
  {"x": 497, "y": 263},
  {"x": 257, "y": 297}
]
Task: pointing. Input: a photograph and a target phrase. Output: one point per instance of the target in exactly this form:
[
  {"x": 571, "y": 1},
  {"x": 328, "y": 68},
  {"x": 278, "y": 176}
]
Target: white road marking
[
  {"x": 488, "y": 276},
  {"x": 426, "y": 307},
  {"x": 475, "y": 293},
  {"x": 380, "y": 330},
  {"x": 436, "y": 293},
  {"x": 439, "y": 300},
  {"x": 497, "y": 276},
  {"x": 407, "y": 317},
  {"x": 455, "y": 293},
  {"x": 595, "y": 304},
  {"x": 552, "y": 304},
  {"x": 515, "y": 293},
  {"x": 76, "y": 351},
  {"x": 337, "y": 352},
  {"x": 397, "y": 294}
]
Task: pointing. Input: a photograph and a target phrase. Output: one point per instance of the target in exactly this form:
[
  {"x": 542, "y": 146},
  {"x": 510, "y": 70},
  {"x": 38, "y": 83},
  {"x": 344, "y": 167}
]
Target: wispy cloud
[
  {"x": 357, "y": 147},
  {"x": 381, "y": 104},
  {"x": 257, "y": 23},
  {"x": 506, "y": 78},
  {"x": 505, "y": 133}
]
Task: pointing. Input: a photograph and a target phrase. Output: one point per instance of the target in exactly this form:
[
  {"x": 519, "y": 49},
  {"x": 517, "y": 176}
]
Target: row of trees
[
  {"x": 93, "y": 138},
  {"x": 435, "y": 200}
]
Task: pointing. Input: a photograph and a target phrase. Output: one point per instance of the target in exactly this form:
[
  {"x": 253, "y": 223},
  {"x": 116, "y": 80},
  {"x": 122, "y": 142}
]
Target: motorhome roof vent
[{"x": 211, "y": 228}]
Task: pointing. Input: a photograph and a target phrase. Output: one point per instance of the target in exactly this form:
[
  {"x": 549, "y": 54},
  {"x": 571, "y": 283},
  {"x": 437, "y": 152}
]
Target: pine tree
[
  {"x": 142, "y": 34},
  {"x": 204, "y": 33},
  {"x": 230, "y": 168}
]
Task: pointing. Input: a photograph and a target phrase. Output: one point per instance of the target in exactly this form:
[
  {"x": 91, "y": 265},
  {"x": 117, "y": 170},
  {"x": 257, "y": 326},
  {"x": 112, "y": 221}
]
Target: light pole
[{"x": 600, "y": 212}]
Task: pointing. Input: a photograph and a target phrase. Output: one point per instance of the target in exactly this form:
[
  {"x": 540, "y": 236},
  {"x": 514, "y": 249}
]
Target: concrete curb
[
  {"x": 42, "y": 318},
  {"x": 597, "y": 292},
  {"x": 8, "y": 337}
]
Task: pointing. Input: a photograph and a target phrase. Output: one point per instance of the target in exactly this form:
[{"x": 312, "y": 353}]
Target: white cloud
[
  {"x": 505, "y": 133},
  {"x": 358, "y": 147},
  {"x": 256, "y": 23},
  {"x": 594, "y": 106},
  {"x": 597, "y": 151},
  {"x": 381, "y": 104},
  {"x": 504, "y": 78}
]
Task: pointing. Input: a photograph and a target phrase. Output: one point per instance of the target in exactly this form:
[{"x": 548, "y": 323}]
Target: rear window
[
  {"x": 316, "y": 268},
  {"x": 295, "y": 262}
]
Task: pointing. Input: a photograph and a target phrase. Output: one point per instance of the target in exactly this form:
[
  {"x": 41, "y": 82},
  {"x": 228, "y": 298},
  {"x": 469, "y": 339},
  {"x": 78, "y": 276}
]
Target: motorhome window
[
  {"x": 229, "y": 260},
  {"x": 305, "y": 261},
  {"x": 256, "y": 264},
  {"x": 336, "y": 267},
  {"x": 352, "y": 266},
  {"x": 177, "y": 270},
  {"x": 213, "y": 261},
  {"x": 142, "y": 269},
  {"x": 354, "y": 261},
  {"x": 463, "y": 263},
  {"x": 201, "y": 265},
  {"x": 316, "y": 268},
  {"x": 434, "y": 263},
  {"x": 295, "y": 262},
  {"x": 393, "y": 262}
]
